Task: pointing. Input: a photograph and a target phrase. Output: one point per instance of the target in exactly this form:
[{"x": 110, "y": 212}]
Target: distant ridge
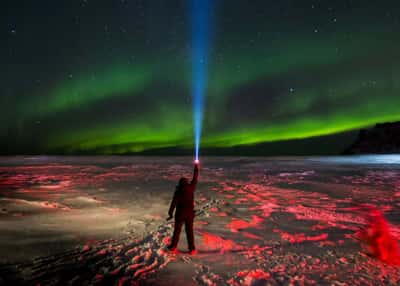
[{"x": 384, "y": 138}]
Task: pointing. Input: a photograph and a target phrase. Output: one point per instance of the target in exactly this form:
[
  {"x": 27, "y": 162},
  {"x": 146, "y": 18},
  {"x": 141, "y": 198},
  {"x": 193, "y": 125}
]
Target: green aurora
[{"x": 300, "y": 86}]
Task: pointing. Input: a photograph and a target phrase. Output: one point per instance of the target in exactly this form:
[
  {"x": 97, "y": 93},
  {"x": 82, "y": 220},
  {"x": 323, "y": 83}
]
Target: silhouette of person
[{"x": 183, "y": 201}]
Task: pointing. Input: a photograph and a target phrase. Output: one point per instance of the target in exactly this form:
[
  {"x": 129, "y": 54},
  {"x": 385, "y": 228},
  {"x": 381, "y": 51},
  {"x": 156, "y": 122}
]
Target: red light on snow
[{"x": 378, "y": 239}]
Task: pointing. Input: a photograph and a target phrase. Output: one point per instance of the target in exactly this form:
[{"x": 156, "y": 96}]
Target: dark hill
[{"x": 382, "y": 139}]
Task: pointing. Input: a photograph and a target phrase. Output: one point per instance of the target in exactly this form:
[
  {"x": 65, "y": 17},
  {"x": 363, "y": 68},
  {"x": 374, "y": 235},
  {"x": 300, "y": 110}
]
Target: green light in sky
[{"x": 337, "y": 87}]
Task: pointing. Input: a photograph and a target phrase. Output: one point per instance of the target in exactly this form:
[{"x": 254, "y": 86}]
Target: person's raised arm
[{"x": 195, "y": 173}]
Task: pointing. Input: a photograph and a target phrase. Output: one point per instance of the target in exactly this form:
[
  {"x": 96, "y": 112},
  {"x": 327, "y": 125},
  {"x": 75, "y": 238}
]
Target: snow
[{"x": 259, "y": 221}]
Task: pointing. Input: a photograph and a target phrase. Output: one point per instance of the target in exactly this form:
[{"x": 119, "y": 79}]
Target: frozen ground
[{"x": 260, "y": 221}]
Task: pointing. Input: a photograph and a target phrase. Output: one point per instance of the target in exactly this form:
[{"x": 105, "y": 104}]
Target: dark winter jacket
[{"x": 183, "y": 198}]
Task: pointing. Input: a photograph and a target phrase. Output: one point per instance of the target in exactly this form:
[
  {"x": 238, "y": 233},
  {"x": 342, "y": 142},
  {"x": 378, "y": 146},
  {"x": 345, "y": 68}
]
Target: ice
[
  {"x": 362, "y": 159},
  {"x": 259, "y": 221}
]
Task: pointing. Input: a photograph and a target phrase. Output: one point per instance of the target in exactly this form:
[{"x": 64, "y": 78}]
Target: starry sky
[{"x": 114, "y": 77}]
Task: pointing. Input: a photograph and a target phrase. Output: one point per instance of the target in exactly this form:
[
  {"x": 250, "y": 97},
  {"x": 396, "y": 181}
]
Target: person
[{"x": 183, "y": 201}]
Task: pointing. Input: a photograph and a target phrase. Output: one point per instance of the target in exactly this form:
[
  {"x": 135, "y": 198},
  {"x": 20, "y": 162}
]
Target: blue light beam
[{"x": 201, "y": 10}]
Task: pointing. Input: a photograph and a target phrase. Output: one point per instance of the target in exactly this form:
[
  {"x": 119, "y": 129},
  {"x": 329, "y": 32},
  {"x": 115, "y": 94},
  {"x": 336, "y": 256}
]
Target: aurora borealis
[{"x": 115, "y": 77}]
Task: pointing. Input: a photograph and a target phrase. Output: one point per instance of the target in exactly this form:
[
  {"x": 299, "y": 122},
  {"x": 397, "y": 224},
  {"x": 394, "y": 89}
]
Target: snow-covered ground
[{"x": 260, "y": 221}]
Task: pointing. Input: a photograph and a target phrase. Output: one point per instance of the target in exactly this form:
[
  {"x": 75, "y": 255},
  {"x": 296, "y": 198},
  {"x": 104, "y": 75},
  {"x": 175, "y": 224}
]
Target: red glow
[
  {"x": 222, "y": 214},
  {"x": 257, "y": 274},
  {"x": 216, "y": 242},
  {"x": 237, "y": 224},
  {"x": 300, "y": 237},
  {"x": 243, "y": 232},
  {"x": 251, "y": 277},
  {"x": 102, "y": 252},
  {"x": 252, "y": 236},
  {"x": 378, "y": 239}
]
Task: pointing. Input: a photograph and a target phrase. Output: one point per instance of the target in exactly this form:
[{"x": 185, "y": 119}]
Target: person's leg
[
  {"x": 189, "y": 232},
  {"x": 177, "y": 232}
]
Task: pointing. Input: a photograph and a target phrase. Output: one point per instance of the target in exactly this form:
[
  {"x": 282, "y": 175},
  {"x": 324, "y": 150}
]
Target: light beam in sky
[{"x": 200, "y": 45}]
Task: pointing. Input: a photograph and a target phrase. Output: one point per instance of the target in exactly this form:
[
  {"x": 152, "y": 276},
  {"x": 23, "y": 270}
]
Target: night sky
[{"x": 114, "y": 76}]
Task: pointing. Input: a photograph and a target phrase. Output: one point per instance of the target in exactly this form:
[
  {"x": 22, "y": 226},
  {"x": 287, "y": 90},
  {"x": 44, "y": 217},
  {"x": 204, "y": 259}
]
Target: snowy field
[{"x": 259, "y": 221}]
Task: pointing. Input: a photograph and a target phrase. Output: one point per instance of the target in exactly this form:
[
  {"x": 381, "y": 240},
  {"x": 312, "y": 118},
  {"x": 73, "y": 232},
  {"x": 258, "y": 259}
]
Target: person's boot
[
  {"x": 193, "y": 252},
  {"x": 172, "y": 248}
]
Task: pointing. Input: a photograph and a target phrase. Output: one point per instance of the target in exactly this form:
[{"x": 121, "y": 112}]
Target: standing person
[{"x": 183, "y": 201}]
